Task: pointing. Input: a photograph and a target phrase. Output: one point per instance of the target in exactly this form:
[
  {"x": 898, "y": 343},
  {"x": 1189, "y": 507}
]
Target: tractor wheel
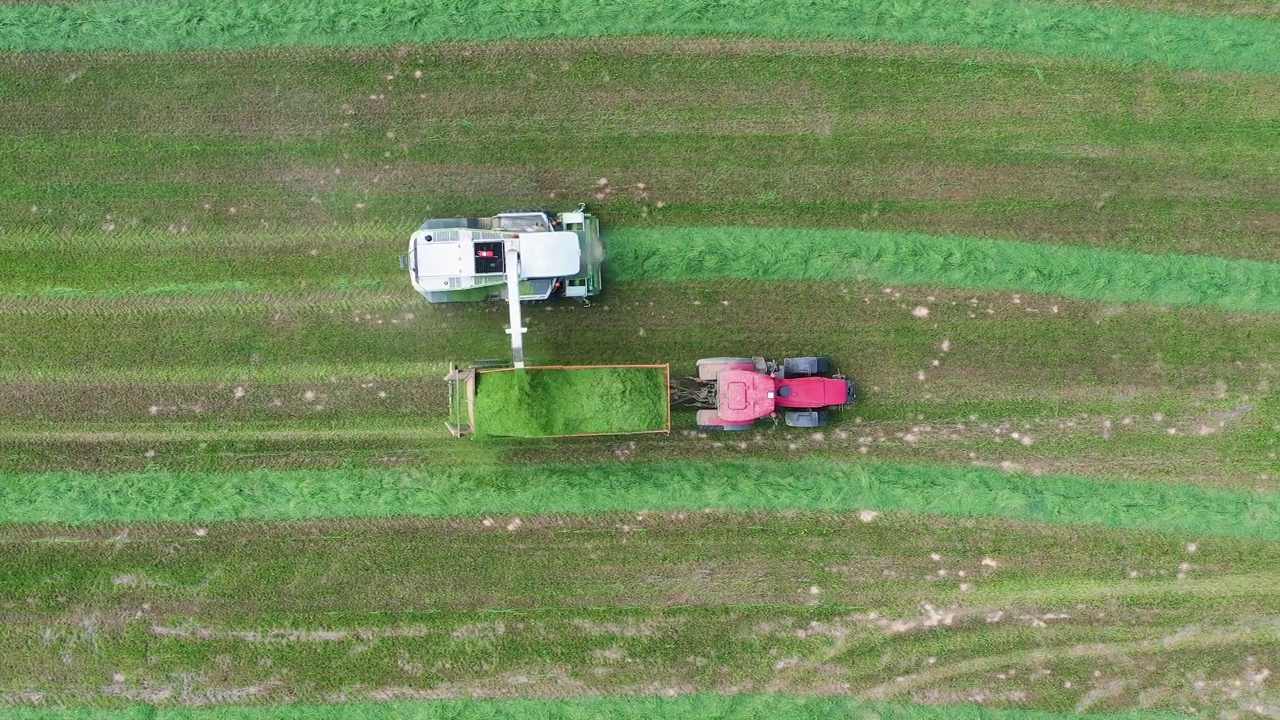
[
  {"x": 805, "y": 367},
  {"x": 725, "y": 360},
  {"x": 806, "y": 418},
  {"x": 713, "y": 362}
]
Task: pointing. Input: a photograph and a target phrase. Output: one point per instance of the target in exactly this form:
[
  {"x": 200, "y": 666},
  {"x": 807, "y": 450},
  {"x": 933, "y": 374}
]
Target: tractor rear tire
[
  {"x": 721, "y": 361},
  {"x": 726, "y": 360},
  {"x": 802, "y": 367},
  {"x": 806, "y": 418}
]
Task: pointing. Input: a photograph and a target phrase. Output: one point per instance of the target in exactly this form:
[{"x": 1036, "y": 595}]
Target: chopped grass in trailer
[{"x": 560, "y": 401}]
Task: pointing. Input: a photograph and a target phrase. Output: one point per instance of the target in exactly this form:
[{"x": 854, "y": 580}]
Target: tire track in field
[{"x": 1265, "y": 632}]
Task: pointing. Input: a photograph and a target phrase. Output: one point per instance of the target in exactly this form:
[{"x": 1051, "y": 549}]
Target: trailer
[{"x": 494, "y": 400}]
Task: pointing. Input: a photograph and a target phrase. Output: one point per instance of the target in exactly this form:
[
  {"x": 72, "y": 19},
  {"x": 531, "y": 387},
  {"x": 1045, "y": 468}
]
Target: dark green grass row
[{"x": 783, "y": 135}]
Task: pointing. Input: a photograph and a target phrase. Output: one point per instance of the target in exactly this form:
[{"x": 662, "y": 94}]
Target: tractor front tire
[{"x": 802, "y": 367}]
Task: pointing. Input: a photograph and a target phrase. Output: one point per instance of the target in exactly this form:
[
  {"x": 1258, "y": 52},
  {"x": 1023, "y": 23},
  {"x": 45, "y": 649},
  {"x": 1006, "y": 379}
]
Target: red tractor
[{"x": 732, "y": 393}]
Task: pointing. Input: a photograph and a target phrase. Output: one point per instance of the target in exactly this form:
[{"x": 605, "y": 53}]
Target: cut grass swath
[
  {"x": 713, "y": 253},
  {"x": 559, "y": 401},
  {"x": 960, "y": 262},
  {"x": 1111, "y": 34},
  {"x": 721, "y": 707},
  {"x": 811, "y": 484}
]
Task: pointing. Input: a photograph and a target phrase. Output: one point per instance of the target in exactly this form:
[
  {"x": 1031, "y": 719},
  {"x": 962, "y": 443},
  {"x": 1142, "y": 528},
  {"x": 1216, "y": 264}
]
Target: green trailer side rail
[{"x": 464, "y": 384}]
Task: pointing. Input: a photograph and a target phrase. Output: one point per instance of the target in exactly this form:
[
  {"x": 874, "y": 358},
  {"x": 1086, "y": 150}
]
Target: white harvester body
[
  {"x": 517, "y": 256},
  {"x": 464, "y": 259}
]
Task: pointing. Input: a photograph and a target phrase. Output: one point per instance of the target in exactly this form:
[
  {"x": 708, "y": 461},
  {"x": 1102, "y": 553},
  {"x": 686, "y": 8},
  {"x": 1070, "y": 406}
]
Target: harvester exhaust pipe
[{"x": 517, "y": 329}]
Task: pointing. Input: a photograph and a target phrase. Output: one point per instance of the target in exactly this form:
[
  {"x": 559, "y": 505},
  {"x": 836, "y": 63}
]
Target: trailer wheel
[
  {"x": 805, "y": 367},
  {"x": 806, "y": 418},
  {"x": 724, "y": 428}
]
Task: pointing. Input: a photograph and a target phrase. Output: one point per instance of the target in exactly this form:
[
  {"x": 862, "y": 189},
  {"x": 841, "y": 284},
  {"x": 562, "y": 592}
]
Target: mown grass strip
[
  {"x": 265, "y": 373},
  {"x": 793, "y": 254},
  {"x": 150, "y": 263},
  {"x": 813, "y": 484},
  {"x": 721, "y": 707},
  {"x": 1112, "y": 34}
]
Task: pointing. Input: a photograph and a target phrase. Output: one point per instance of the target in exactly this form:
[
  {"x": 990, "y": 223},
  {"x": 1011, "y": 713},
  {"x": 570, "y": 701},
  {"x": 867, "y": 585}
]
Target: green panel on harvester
[{"x": 545, "y": 402}]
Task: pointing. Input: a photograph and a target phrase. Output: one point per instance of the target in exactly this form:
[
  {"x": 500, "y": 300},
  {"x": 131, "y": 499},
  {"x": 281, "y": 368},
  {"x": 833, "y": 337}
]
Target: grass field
[
  {"x": 1040, "y": 237},
  {"x": 613, "y": 604}
]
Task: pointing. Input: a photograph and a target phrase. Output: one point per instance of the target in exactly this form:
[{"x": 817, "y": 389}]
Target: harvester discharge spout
[{"x": 517, "y": 329}]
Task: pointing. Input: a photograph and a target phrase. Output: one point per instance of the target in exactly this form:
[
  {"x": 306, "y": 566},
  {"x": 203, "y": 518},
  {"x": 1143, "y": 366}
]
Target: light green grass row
[
  {"x": 702, "y": 707},
  {"x": 959, "y": 262},
  {"x": 1111, "y": 34},
  {"x": 715, "y": 253},
  {"x": 813, "y": 484}
]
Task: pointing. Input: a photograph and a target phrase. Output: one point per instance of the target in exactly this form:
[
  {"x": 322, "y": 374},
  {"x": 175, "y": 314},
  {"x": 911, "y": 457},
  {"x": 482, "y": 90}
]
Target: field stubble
[{"x": 981, "y": 611}]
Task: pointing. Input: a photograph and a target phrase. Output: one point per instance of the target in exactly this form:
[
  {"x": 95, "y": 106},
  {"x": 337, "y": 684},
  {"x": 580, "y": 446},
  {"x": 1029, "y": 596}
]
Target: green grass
[
  {"x": 141, "y": 198},
  {"x": 1053, "y": 30},
  {"x": 810, "y": 484},
  {"x": 581, "y": 401},
  {"x": 700, "y": 707}
]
